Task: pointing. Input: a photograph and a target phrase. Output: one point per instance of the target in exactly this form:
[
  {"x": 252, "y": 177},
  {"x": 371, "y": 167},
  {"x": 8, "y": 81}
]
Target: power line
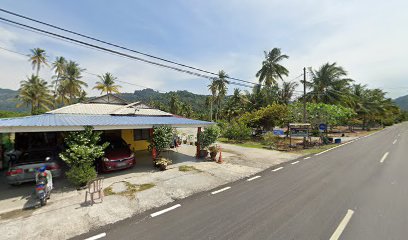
[
  {"x": 118, "y": 46},
  {"x": 82, "y": 43}
]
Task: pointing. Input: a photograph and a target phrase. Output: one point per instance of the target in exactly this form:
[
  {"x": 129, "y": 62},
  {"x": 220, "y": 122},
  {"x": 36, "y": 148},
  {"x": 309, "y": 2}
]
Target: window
[{"x": 141, "y": 134}]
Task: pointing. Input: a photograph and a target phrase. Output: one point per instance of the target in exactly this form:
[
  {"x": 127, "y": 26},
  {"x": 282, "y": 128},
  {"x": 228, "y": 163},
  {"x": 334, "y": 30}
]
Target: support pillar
[
  {"x": 154, "y": 153},
  {"x": 198, "y": 142}
]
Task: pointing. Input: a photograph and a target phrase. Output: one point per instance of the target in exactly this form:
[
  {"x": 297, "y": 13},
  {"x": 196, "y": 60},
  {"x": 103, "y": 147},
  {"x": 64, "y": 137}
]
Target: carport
[{"x": 134, "y": 121}]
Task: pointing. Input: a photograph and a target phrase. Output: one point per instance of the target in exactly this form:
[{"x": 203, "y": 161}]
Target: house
[{"x": 108, "y": 113}]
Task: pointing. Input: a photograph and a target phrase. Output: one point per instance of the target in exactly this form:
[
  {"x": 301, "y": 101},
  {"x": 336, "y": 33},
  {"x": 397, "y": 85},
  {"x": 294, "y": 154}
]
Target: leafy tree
[
  {"x": 271, "y": 69},
  {"x": 237, "y": 130},
  {"x": 34, "y": 92},
  {"x": 266, "y": 117},
  {"x": 83, "y": 148},
  {"x": 329, "y": 85},
  {"x": 162, "y": 138},
  {"x": 37, "y": 59},
  {"x": 235, "y": 105},
  {"x": 107, "y": 84},
  {"x": 208, "y": 136}
]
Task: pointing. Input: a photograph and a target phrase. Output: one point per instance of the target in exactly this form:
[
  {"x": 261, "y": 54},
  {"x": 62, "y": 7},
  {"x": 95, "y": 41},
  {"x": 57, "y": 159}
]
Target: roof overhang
[{"x": 66, "y": 123}]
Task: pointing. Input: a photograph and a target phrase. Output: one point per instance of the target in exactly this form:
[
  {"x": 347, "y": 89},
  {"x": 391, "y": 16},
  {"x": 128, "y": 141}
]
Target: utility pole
[
  {"x": 304, "y": 95},
  {"x": 304, "y": 103}
]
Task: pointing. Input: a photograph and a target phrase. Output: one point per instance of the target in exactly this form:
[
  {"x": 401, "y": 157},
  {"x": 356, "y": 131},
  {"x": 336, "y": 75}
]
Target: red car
[{"x": 117, "y": 155}]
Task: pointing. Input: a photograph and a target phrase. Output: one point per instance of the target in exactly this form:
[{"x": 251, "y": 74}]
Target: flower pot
[
  {"x": 213, "y": 155},
  {"x": 162, "y": 167},
  {"x": 203, "y": 153}
]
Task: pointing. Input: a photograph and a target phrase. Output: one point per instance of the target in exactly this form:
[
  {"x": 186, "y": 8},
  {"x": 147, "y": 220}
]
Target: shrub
[
  {"x": 162, "y": 137},
  {"x": 83, "y": 149},
  {"x": 270, "y": 139},
  {"x": 80, "y": 175},
  {"x": 208, "y": 136},
  {"x": 238, "y": 131}
]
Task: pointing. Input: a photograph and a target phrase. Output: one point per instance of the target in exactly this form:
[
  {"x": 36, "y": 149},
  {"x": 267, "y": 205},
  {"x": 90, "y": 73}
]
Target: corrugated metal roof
[
  {"x": 102, "y": 109},
  {"x": 71, "y": 122}
]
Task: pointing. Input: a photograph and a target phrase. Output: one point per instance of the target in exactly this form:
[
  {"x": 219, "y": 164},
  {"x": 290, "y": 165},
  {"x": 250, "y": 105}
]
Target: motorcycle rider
[{"x": 44, "y": 173}]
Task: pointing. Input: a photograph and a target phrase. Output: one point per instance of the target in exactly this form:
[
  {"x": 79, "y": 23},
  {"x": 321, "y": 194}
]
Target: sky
[{"x": 367, "y": 37}]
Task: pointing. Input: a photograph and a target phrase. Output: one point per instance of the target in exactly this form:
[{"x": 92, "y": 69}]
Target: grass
[
  {"x": 186, "y": 168},
  {"x": 131, "y": 189},
  {"x": 315, "y": 150}
]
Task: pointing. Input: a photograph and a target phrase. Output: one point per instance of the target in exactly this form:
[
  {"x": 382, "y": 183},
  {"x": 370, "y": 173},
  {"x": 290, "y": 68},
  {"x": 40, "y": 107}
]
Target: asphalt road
[{"x": 356, "y": 191}]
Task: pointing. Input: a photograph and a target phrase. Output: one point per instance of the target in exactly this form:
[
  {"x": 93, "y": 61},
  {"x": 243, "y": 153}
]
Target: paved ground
[
  {"x": 356, "y": 191},
  {"x": 68, "y": 216}
]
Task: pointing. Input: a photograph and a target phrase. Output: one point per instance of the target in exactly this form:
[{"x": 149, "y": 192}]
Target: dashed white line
[
  {"x": 306, "y": 158},
  {"x": 253, "y": 178},
  {"x": 336, "y": 235},
  {"x": 384, "y": 157},
  {"x": 101, "y": 235},
  {"x": 221, "y": 190},
  {"x": 277, "y": 169},
  {"x": 293, "y": 163},
  {"x": 165, "y": 210},
  {"x": 395, "y": 141}
]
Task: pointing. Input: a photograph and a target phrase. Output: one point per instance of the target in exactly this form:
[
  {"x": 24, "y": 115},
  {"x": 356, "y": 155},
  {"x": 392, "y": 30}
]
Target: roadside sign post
[{"x": 299, "y": 130}]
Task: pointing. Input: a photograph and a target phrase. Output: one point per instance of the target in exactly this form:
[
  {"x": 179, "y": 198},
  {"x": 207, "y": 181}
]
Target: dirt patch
[
  {"x": 129, "y": 189},
  {"x": 186, "y": 168}
]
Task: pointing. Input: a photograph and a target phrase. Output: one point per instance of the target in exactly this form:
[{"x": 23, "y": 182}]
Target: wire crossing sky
[{"x": 367, "y": 38}]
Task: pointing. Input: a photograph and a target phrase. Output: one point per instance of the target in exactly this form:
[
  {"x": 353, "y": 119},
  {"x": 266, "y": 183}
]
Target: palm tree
[
  {"x": 271, "y": 70},
  {"x": 71, "y": 83},
  {"x": 38, "y": 58},
  {"x": 107, "y": 84},
  {"x": 329, "y": 85},
  {"x": 213, "y": 88},
  {"x": 34, "y": 92},
  {"x": 286, "y": 92},
  {"x": 59, "y": 66},
  {"x": 174, "y": 104},
  {"x": 221, "y": 83}
]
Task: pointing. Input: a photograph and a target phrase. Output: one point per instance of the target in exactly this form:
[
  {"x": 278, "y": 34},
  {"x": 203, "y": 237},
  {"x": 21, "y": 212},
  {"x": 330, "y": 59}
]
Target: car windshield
[
  {"x": 116, "y": 144},
  {"x": 34, "y": 157}
]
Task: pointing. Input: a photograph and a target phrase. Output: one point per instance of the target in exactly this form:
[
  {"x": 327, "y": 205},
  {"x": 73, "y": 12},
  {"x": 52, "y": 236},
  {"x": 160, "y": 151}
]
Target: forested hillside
[{"x": 402, "y": 102}]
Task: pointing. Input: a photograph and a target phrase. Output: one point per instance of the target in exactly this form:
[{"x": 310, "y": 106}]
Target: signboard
[
  {"x": 278, "y": 132},
  {"x": 322, "y": 127},
  {"x": 299, "y": 132}
]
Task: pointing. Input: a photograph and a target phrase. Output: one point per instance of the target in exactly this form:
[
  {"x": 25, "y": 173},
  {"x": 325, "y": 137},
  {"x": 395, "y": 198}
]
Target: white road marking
[
  {"x": 165, "y": 210},
  {"x": 253, "y": 178},
  {"x": 294, "y": 162},
  {"x": 307, "y": 158},
  {"x": 384, "y": 157},
  {"x": 395, "y": 141},
  {"x": 277, "y": 169},
  {"x": 221, "y": 190},
  {"x": 101, "y": 235},
  {"x": 336, "y": 235}
]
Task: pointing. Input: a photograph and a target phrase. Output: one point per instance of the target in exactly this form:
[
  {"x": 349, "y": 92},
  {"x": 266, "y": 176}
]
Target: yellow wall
[{"x": 127, "y": 135}]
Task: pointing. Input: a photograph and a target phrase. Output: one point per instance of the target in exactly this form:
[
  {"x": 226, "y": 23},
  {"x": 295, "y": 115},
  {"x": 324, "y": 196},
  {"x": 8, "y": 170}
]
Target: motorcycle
[{"x": 42, "y": 191}]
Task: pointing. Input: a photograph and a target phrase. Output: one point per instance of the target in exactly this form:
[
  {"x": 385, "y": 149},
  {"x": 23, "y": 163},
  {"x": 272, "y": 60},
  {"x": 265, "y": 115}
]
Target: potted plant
[
  {"x": 206, "y": 138},
  {"x": 214, "y": 151},
  {"x": 162, "y": 163}
]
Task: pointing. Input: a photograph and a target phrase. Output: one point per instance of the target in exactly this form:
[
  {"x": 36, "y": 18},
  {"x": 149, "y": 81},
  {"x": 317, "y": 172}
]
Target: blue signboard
[
  {"x": 322, "y": 127},
  {"x": 278, "y": 132}
]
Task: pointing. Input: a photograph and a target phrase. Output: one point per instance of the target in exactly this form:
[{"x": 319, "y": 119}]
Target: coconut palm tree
[
  {"x": 34, "y": 92},
  {"x": 271, "y": 70},
  {"x": 213, "y": 89},
  {"x": 285, "y": 93},
  {"x": 59, "y": 66},
  {"x": 71, "y": 85},
  {"x": 107, "y": 84},
  {"x": 329, "y": 85},
  {"x": 38, "y": 58},
  {"x": 220, "y": 84}
]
